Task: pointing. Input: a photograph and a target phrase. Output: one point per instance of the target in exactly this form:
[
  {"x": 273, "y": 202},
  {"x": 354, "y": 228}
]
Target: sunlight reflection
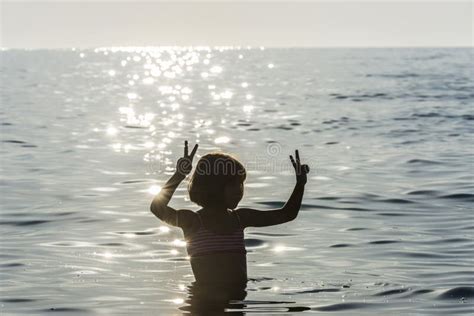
[
  {"x": 164, "y": 229},
  {"x": 283, "y": 248},
  {"x": 155, "y": 189},
  {"x": 132, "y": 96},
  {"x": 227, "y": 94},
  {"x": 106, "y": 254},
  {"x": 112, "y": 131},
  {"x": 148, "y": 81},
  {"x": 222, "y": 140},
  {"x": 216, "y": 70},
  {"x": 149, "y": 144},
  {"x": 279, "y": 248},
  {"x": 179, "y": 243},
  {"x": 248, "y": 108},
  {"x": 178, "y": 301}
]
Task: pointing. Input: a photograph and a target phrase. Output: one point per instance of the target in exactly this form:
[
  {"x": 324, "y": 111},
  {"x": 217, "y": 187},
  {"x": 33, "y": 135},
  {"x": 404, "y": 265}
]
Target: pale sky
[{"x": 350, "y": 23}]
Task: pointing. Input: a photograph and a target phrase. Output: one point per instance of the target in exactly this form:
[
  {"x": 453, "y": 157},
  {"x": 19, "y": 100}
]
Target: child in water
[{"x": 215, "y": 234}]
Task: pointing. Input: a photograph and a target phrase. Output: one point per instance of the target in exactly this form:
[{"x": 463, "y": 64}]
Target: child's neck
[{"x": 215, "y": 209}]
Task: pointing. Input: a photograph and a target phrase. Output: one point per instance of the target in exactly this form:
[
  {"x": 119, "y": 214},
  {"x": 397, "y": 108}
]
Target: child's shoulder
[{"x": 188, "y": 219}]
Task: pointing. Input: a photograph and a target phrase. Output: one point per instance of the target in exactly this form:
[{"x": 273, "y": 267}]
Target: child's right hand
[
  {"x": 185, "y": 163},
  {"x": 300, "y": 170}
]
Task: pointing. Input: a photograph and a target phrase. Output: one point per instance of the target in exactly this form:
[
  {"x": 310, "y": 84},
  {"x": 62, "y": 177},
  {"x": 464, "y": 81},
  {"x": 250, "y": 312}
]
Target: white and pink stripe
[{"x": 206, "y": 242}]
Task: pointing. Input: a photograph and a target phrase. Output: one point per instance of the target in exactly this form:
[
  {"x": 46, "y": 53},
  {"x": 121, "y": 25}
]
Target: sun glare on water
[{"x": 154, "y": 189}]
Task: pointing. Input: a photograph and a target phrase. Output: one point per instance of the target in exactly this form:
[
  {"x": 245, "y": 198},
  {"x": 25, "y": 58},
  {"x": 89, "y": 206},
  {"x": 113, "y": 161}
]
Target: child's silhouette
[{"x": 214, "y": 234}]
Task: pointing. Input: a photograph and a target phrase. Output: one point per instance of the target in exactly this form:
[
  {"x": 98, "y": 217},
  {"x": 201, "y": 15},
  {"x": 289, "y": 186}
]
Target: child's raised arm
[
  {"x": 257, "y": 218},
  {"x": 159, "y": 206}
]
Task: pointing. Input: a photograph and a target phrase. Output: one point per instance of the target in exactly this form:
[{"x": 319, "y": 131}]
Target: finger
[
  {"x": 297, "y": 155},
  {"x": 293, "y": 161},
  {"x": 194, "y": 151},
  {"x": 185, "y": 148},
  {"x": 305, "y": 168}
]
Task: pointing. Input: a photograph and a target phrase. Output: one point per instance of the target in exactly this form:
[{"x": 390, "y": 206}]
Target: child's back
[
  {"x": 216, "y": 248},
  {"x": 215, "y": 234}
]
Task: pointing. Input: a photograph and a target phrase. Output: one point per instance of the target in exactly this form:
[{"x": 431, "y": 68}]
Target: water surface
[{"x": 386, "y": 225}]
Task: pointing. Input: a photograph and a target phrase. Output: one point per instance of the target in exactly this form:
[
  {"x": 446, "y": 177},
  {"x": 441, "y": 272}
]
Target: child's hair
[{"x": 213, "y": 172}]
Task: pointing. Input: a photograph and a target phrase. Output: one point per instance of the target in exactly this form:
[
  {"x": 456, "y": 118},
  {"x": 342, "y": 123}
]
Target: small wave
[
  {"x": 342, "y": 307},
  {"x": 65, "y": 310},
  {"x": 458, "y": 293},
  {"x": 392, "y": 292},
  {"x": 429, "y": 114},
  {"x": 17, "y": 300},
  {"x": 328, "y": 198},
  {"x": 422, "y": 291},
  {"x": 356, "y": 229},
  {"x": 271, "y": 234},
  {"x": 111, "y": 244},
  {"x": 11, "y": 265},
  {"x": 260, "y": 279},
  {"x": 341, "y": 245},
  {"x": 392, "y": 214},
  {"x": 397, "y": 201},
  {"x": 459, "y": 196},
  {"x": 312, "y": 291},
  {"x": 395, "y": 76},
  {"x": 284, "y": 127},
  {"x": 244, "y": 124},
  {"x": 25, "y": 223},
  {"x": 382, "y": 242},
  {"x": 135, "y": 181},
  {"x": 136, "y": 233},
  {"x": 135, "y": 126},
  {"x": 421, "y": 255},
  {"x": 14, "y": 141},
  {"x": 298, "y": 308},
  {"x": 361, "y": 97},
  {"x": 424, "y": 162},
  {"x": 430, "y": 193},
  {"x": 254, "y": 243}
]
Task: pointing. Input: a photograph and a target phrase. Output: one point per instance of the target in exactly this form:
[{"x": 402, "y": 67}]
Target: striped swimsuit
[{"x": 205, "y": 242}]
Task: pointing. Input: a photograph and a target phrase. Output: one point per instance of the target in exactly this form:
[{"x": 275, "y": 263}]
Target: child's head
[{"x": 217, "y": 181}]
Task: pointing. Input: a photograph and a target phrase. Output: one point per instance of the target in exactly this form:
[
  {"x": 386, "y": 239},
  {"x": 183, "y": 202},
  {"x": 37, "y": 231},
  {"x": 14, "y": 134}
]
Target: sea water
[{"x": 89, "y": 136}]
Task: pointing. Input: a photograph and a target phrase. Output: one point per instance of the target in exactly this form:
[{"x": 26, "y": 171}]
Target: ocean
[{"x": 386, "y": 226}]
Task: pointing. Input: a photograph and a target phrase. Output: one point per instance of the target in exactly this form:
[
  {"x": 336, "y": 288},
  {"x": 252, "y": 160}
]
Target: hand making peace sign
[
  {"x": 185, "y": 163},
  {"x": 300, "y": 170}
]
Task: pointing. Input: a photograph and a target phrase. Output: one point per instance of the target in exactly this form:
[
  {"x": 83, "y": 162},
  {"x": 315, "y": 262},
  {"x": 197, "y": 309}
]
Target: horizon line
[{"x": 231, "y": 47}]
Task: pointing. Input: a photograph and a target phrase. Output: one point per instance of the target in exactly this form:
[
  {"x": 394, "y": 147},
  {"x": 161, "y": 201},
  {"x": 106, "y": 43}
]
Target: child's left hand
[{"x": 185, "y": 163}]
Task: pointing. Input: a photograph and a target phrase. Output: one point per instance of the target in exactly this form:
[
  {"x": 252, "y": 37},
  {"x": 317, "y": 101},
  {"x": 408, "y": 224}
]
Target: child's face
[{"x": 234, "y": 193}]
